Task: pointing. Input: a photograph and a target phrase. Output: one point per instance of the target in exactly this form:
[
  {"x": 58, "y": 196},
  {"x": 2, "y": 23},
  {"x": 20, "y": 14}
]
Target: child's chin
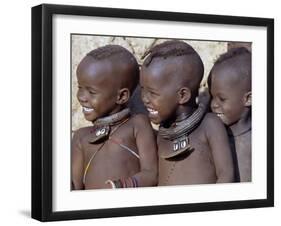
[
  {"x": 155, "y": 120},
  {"x": 224, "y": 121},
  {"x": 90, "y": 119}
]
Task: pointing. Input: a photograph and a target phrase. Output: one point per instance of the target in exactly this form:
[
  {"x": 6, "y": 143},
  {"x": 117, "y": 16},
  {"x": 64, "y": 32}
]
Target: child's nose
[
  {"x": 214, "y": 105},
  {"x": 81, "y": 96},
  {"x": 144, "y": 97}
]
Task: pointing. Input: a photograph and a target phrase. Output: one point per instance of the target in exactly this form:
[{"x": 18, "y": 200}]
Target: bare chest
[
  {"x": 244, "y": 156},
  {"x": 112, "y": 159},
  {"x": 195, "y": 166}
]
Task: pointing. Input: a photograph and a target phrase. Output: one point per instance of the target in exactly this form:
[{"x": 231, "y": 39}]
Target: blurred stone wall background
[{"x": 82, "y": 44}]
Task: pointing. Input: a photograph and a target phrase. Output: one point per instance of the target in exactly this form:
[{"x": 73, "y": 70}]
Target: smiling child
[
  {"x": 119, "y": 150},
  {"x": 230, "y": 87},
  {"x": 193, "y": 147}
]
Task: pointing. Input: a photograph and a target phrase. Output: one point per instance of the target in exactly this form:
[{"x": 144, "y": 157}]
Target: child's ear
[
  {"x": 123, "y": 96},
  {"x": 248, "y": 99},
  {"x": 184, "y": 95}
]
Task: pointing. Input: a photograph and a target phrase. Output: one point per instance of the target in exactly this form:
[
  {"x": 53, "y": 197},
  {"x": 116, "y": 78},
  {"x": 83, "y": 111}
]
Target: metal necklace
[
  {"x": 178, "y": 133},
  {"x": 101, "y": 127}
]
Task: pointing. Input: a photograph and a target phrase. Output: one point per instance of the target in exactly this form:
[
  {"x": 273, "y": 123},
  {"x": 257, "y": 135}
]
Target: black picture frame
[{"x": 42, "y": 108}]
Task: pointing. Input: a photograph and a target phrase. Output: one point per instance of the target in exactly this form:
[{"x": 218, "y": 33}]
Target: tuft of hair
[
  {"x": 118, "y": 53},
  {"x": 175, "y": 48},
  {"x": 232, "y": 53},
  {"x": 167, "y": 49},
  {"x": 109, "y": 51},
  {"x": 238, "y": 58}
]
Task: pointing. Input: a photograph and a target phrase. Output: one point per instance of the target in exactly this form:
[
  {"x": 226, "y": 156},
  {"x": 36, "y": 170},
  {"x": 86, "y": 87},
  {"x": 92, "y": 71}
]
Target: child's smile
[
  {"x": 223, "y": 117},
  {"x": 158, "y": 94},
  {"x": 96, "y": 92},
  {"x": 87, "y": 110},
  {"x": 152, "y": 112},
  {"x": 220, "y": 115},
  {"x": 227, "y": 96}
]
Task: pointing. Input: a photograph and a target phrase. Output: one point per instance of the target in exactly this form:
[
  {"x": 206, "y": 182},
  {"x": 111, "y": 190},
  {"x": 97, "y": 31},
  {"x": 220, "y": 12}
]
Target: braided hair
[
  {"x": 109, "y": 51},
  {"x": 167, "y": 49},
  {"x": 177, "y": 48}
]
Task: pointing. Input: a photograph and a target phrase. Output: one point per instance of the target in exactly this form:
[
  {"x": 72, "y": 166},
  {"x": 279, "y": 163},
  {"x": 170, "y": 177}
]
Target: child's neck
[
  {"x": 243, "y": 125},
  {"x": 113, "y": 118},
  {"x": 117, "y": 109},
  {"x": 182, "y": 113}
]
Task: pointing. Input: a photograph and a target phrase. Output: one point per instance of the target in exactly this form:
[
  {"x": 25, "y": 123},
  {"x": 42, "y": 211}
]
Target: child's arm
[
  {"x": 77, "y": 160},
  {"x": 146, "y": 143},
  {"x": 221, "y": 152}
]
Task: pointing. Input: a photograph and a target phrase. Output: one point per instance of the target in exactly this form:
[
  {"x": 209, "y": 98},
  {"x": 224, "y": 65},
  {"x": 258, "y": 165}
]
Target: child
[
  {"x": 230, "y": 86},
  {"x": 119, "y": 149},
  {"x": 192, "y": 146}
]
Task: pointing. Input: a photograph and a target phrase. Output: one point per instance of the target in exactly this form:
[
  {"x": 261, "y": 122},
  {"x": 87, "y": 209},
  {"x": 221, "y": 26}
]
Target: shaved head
[{"x": 235, "y": 66}]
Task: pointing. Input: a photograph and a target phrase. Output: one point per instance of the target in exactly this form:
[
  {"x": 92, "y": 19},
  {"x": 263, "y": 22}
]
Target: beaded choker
[
  {"x": 179, "y": 131},
  {"x": 102, "y": 126}
]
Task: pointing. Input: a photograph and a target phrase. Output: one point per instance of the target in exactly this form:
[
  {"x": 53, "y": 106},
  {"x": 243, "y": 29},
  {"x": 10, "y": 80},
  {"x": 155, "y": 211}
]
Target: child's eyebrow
[
  {"x": 149, "y": 87},
  {"x": 220, "y": 94},
  {"x": 92, "y": 87},
  {"x": 86, "y": 86},
  {"x": 152, "y": 89}
]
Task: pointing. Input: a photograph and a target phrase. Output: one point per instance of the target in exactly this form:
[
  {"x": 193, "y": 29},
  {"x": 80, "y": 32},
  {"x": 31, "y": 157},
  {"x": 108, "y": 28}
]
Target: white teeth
[
  {"x": 219, "y": 114},
  {"x": 151, "y": 111},
  {"x": 87, "y": 109}
]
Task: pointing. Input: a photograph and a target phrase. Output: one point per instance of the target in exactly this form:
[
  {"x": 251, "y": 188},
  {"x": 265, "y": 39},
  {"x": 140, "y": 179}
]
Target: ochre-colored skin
[
  {"x": 112, "y": 161},
  {"x": 244, "y": 156},
  {"x": 209, "y": 162},
  {"x": 231, "y": 100},
  {"x": 103, "y": 87},
  {"x": 165, "y": 91}
]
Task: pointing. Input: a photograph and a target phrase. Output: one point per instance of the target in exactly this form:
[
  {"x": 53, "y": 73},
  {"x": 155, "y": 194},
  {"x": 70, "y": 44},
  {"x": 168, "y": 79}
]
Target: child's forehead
[
  {"x": 228, "y": 76},
  {"x": 224, "y": 71},
  {"x": 104, "y": 72},
  {"x": 94, "y": 69},
  {"x": 170, "y": 66}
]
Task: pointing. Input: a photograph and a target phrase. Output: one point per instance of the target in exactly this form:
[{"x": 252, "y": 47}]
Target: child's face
[
  {"x": 227, "y": 96},
  {"x": 97, "y": 92},
  {"x": 159, "y": 92}
]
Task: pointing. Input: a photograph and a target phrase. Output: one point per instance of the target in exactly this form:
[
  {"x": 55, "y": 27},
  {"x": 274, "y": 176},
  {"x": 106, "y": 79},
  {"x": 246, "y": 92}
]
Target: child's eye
[
  {"x": 92, "y": 92},
  {"x": 222, "y": 99},
  {"x": 153, "y": 93}
]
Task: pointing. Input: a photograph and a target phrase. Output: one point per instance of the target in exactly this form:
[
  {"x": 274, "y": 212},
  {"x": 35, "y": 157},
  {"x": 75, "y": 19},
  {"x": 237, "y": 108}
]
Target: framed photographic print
[{"x": 66, "y": 40}]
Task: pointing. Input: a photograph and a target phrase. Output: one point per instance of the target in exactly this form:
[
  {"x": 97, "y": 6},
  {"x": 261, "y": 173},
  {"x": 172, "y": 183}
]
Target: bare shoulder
[
  {"x": 81, "y": 132},
  {"x": 140, "y": 120},
  {"x": 141, "y": 124},
  {"x": 211, "y": 121},
  {"x": 211, "y": 118}
]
